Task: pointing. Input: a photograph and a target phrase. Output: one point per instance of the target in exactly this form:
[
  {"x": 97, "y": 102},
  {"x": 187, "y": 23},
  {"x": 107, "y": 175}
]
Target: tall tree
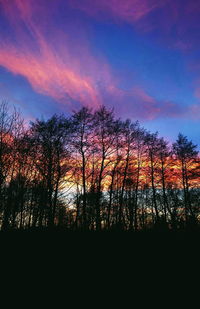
[
  {"x": 104, "y": 140},
  {"x": 152, "y": 146},
  {"x": 50, "y": 145},
  {"x": 186, "y": 154},
  {"x": 11, "y": 126},
  {"x": 81, "y": 142}
]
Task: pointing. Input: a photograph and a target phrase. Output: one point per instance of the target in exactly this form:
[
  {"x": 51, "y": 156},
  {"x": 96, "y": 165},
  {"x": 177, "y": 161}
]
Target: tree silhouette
[
  {"x": 186, "y": 154},
  {"x": 49, "y": 139},
  {"x": 91, "y": 171}
]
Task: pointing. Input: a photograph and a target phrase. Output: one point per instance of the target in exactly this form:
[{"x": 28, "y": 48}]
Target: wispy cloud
[
  {"x": 139, "y": 104},
  {"x": 127, "y": 10},
  {"x": 174, "y": 23},
  {"x": 59, "y": 61},
  {"x": 49, "y": 65}
]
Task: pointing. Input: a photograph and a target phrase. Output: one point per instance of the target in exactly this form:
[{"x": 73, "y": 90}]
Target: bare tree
[{"x": 186, "y": 154}]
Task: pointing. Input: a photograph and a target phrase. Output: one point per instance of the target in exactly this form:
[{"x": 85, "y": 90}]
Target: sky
[{"x": 141, "y": 57}]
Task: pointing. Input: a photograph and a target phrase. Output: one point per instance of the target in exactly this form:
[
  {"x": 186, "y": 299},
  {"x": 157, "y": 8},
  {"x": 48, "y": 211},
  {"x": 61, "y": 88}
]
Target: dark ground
[
  {"x": 104, "y": 241},
  {"x": 95, "y": 262}
]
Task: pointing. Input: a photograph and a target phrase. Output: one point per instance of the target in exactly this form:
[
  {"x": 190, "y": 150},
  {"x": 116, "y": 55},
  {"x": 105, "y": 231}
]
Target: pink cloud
[
  {"x": 48, "y": 76},
  {"x": 51, "y": 66},
  {"x": 194, "y": 68},
  {"x": 137, "y": 103},
  {"x": 197, "y": 93},
  {"x": 127, "y": 10},
  {"x": 175, "y": 23},
  {"x": 54, "y": 66},
  {"x": 194, "y": 112}
]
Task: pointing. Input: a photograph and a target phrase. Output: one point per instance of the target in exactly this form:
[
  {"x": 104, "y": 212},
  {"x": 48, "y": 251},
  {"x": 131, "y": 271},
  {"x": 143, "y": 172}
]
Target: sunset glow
[{"x": 99, "y": 114}]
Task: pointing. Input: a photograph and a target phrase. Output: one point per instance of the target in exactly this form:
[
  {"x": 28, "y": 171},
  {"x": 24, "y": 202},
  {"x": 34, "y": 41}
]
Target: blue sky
[{"x": 140, "y": 57}]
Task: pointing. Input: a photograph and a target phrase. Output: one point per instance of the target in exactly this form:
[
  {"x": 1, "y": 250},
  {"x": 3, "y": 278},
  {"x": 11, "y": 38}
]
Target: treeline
[{"x": 92, "y": 171}]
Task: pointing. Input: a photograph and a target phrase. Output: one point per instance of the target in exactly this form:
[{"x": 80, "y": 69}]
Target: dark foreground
[
  {"x": 156, "y": 239},
  {"x": 81, "y": 257}
]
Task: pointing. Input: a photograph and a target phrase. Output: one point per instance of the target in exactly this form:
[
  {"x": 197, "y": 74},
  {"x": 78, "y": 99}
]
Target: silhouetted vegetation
[{"x": 94, "y": 172}]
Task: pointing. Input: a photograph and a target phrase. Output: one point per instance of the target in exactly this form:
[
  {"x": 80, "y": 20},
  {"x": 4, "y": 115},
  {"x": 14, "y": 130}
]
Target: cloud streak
[
  {"x": 171, "y": 21},
  {"x": 137, "y": 103},
  {"x": 130, "y": 11},
  {"x": 59, "y": 61},
  {"x": 51, "y": 69}
]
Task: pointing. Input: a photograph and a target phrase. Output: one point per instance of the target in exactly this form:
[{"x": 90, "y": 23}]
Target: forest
[{"x": 94, "y": 172}]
